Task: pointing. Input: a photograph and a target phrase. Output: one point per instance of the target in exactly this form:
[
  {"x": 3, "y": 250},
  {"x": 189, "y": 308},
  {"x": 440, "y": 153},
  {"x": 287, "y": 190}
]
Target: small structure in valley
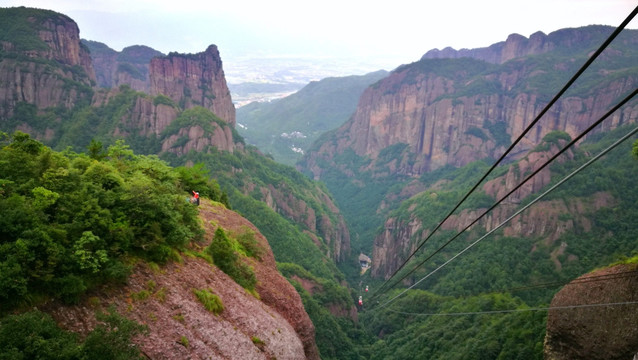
[{"x": 365, "y": 262}]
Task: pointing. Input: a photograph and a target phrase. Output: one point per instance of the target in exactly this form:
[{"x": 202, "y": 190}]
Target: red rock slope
[{"x": 163, "y": 299}]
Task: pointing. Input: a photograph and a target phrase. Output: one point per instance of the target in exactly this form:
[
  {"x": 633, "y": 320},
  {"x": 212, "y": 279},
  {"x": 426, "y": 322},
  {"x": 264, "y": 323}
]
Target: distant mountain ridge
[
  {"x": 518, "y": 46},
  {"x": 129, "y": 66}
]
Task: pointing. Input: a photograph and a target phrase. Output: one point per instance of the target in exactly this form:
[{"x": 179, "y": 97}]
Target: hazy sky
[{"x": 392, "y": 31}]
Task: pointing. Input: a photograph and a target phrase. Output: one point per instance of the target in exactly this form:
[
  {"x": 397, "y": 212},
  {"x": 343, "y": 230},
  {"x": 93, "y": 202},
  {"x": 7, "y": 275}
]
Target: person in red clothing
[{"x": 196, "y": 197}]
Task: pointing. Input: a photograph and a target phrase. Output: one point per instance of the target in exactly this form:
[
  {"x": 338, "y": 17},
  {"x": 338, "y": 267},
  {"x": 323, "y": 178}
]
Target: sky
[{"x": 389, "y": 32}]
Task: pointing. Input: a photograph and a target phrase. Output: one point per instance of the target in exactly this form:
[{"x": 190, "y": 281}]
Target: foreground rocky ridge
[
  {"x": 171, "y": 310},
  {"x": 579, "y": 329}
]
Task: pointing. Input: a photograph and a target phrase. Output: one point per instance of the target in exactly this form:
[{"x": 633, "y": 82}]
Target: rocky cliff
[
  {"x": 194, "y": 80},
  {"x": 171, "y": 311},
  {"x": 581, "y": 329},
  {"x": 423, "y": 109},
  {"x": 546, "y": 220},
  {"x": 330, "y": 225},
  {"x": 455, "y": 111},
  {"x": 43, "y": 64}
]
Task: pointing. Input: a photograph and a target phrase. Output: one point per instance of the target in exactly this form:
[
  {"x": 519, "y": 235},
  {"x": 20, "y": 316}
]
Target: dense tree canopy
[{"x": 71, "y": 221}]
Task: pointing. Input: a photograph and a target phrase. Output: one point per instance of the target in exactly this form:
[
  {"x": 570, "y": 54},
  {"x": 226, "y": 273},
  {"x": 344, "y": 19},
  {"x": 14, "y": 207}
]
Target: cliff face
[
  {"x": 596, "y": 332},
  {"x": 45, "y": 66},
  {"x": 546, "y": 220},
  {"x": 194, "y": 80},
  {"x": 196, "y": 138},
  {"x": 440, "y": 129},
  {"x": 172, "y": 311},
  {"x": 455, "y": 111},
  {"x": 330, "y": 226}
]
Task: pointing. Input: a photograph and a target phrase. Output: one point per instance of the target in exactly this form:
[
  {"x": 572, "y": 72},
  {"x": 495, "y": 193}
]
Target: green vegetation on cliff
[
  {"x": 71, "y": 222},
  {"x": 35, "y": 335},
  {"x": 16, "y": 28}
]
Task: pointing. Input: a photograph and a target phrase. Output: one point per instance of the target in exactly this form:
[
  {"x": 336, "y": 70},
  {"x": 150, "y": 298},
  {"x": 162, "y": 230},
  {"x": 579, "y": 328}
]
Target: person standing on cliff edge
[{"x": 196, "y": 197}]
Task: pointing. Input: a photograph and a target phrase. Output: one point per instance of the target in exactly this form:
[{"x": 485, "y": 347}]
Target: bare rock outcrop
[
  {"x": 275, "y": 325},
  {"x": 196, "y": 138},
  {"x": 194, "y": 80},
  {"x": 51, "y": 69},
  {"x": 578, "y": 328},
  {"x": 330, "y": 225},
  {"x": 546, "y": 219},
  {"x": 440, "y": 130},
  {"x": 455, "y": 111}
]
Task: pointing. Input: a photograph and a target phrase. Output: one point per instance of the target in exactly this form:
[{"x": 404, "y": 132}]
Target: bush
[
  {"x": 249, "y": 244},
  {"x": 210, "y": 301},
  {"x": 227, "y": 260},
  {"x": 111, "y": 339},
  {"x": 35, "y": 335}
]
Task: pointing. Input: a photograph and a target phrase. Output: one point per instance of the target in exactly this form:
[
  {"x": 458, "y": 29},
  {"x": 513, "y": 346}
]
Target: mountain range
[{"x": 393, "y": 153}]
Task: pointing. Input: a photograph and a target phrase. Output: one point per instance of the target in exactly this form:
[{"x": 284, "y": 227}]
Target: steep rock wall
[
  {"x": 194, "y": 80},
  {"x": 195, "y": 138},
  {"x": 127, "y": 67},
  {"x": 457, "y": 110},
  {"x": 332, "y": 229},
  {"x": 441, "y": 131},
  {"x": 56, "y": 73},
  {"x": 547, "y": 219}
]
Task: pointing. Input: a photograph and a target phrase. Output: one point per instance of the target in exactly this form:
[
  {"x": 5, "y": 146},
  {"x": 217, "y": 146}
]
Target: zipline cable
[
  {"x": 618, "y": 142},
  {"x": 520, "y": 137},
  {"x": 577, "y": 281},
  {"x": 564, "y": 307},
  {"x": 529, "y": 177}
]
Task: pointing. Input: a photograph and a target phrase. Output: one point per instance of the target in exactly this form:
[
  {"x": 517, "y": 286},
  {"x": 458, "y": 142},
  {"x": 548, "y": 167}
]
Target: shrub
[
  {"x": 70, "y": 221},
  {"x": 227, "y": 260},
  {"x": 210, "y": 301},
  {"x": 222, "y": 252},
  {"x": 35, "y": 335},
  {"x": 140, "y": 295},
  {"x": 249, "y": 243},
  {"x": 184, "y": 341},
  {"x": 111, "y": 339},
  {"x": 163, "y": 99}
]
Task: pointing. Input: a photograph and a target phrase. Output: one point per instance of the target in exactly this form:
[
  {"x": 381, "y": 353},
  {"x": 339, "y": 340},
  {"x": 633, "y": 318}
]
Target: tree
[{"x": 96, "y": 150}]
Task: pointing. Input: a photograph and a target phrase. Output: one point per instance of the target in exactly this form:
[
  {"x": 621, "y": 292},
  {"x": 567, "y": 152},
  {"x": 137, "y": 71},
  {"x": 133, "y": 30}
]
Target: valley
[{"x": 301, "y": 172}]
